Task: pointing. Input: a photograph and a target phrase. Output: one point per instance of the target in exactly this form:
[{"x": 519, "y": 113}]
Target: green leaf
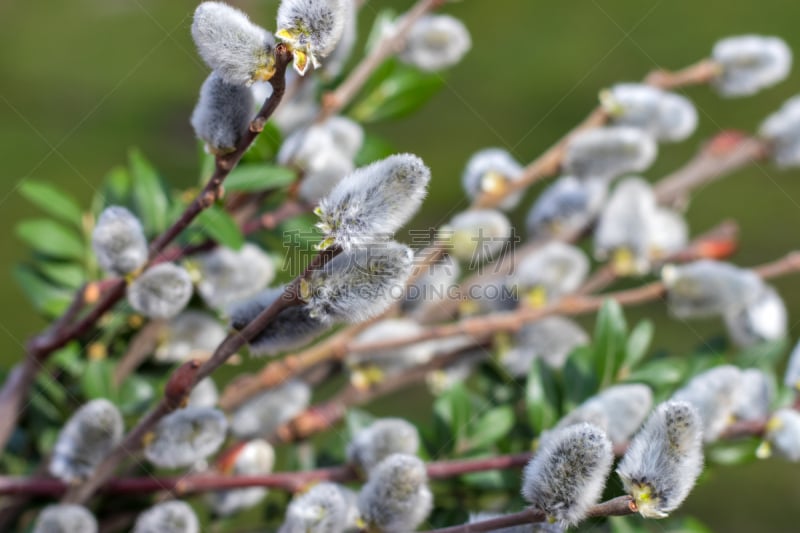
[
  {"x": 400, "y": 94},
  {"x": 51, "y": 388},
  {"x": 580, "y": 381},
  {"x": 46, "y": 298},
  {"x": 117, "y": 188},
  {"x": 453, "y": 408},
  {"x": 638, "y": 343},
  {"x": 69, "y": 359},
  {"x": 48, "y": 237},
  {"x": 383, "y": 20},
  {"x": 259, "y": 177},
  {"x": 135, "y": 395},
  {"x": 219, "y": 225},
  {"x": 68, "y": 275},
  {"x": 492, "y": 426},
  {"x": 149, "y": 197},
  {"x": 206, "y": 163},
  {"x": 52, "y": 200},
  {"x": 97, "y": 380},
  {"x": 666, "y": 372},
  {"x": 541, "y": 397},
  {"x": 266, "y": 145},
  {"x": 733, "y": 453},
  {"x": 609, "y": 342},
  {"x": 765, "y": 355}
]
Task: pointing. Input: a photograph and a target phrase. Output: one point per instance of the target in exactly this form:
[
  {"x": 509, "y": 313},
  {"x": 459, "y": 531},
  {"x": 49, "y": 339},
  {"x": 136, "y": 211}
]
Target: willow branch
[{"x": 391, "y": 44}]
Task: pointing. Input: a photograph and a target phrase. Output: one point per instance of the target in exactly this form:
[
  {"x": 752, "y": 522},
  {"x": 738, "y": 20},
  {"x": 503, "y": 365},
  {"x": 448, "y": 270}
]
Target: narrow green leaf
[
  {"x": 52, "y": 200},
  {"x": 148, "y": 194},
  {"x": 638, "y": 343},
  {"x": 733, "y": 453},
  {"x": 206, "y": 163},
  {"x": 68, "y": 275},
  {"x": 266, "y": 145},
  {"x": 219, "y": 225},
  {"x": 541, "y": 397},
  {"x": 580, "y": 381},
  {"x": 51, "y": 388},
  {"x": 135, "y": 394},
  {"x": 383, "y": 20},
  {"x": 453, "y": 408},
  {"x": 69, "y": 359},
  {"x": 97, "y": 380},
  {"x": 403, "y": 92},
  {"x": 46, "y": 298},
  {"x": 48, "y": 237},
  {"x": 259, "y": 177},
  {"x": 492, "y": 426},
  {"x": 666, "y": 372},
  {"x": 610, "y": 336}
]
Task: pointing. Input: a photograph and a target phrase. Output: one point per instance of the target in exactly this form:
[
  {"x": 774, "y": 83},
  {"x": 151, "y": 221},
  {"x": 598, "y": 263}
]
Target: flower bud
[
  {"x": 168, "y": 517},
  {"x": 750, "y": 63},
  {"x": 550, "y": 339},
  {"x": 236, "y": 49},
  {"x": 433, "y": 285},
  {"x": 255, "y": 458},
  {"x": 262, "y": 414},
  {"x": 312, "y": 28},
  {"x": 714, "y": 394},
  {"x": 709, "y": 288},
  {"x": 190, "y": 335},
  {"x": 476, "y": 235},
  {"x": 567, "y": 475},
  {"x": 229, "y": 275},
  {"x": 782, "y": 130},
  {"x": 292, "y": 328},
  {"x": 186, "y": 437},
  {"x": 566, "y": 207},
  {"x": 755, "y": 395},
  {"x": 664, "y": 459},
  {"x": 489, "y": 172},
  {"x": 379, "y": 440},
  {"x": 65, "y": 518},
  {"x": 548, "y": 273},
  {"x": 664, "y": 115},
  {"x": 396, "y": 499},
  {"x": 88, "y": 436},
  {"x": 358, "y": 284},
  {"x": 609, "y": 152},
  {"x": 388, "y": 362},
  {"x": 436, "y": 42},
  {"x": 323, "y": 509},
  {"x": 763, "y": 320},
  {"x": 204, "y": 394},
  {"x": 161, "y": 292},
  {"x": 222, "y": 114},
  {"x": 782, "y": 435},
  {"x": 118, "y": 241},
  {"x": 373, "y": 202}
]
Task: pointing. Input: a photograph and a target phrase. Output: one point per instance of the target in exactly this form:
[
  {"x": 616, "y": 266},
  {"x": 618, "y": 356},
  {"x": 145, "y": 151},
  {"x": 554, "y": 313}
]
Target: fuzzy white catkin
[
  {"x": 763, "y": 320},
  {"x": 783, "y": 435},
  {"x": 231, "y": 275},
  {"x": 168, "y": 517},
  {"x": 755, "y": 395},
  {"x": 551, "y": 339},
  {"x": 714, "y": 394},
  {"x": 488, "y": 172},
  {"x": 161, "y": 292},
  {"x": 186, "y": 437},
  {"x": 476, "y": 235},
  {"x": 239, "y": 51},
  {"x": 750, "y": 63},
  {"x": 256, "y": 457},
  {"x": 708, "y": 288},
  {"x": 568, "y": 473},
  {"x": 204, "y": 394},
  {"x": 396, "y": 499},
  {"x": 664, "y": 459},
  {"x": 433, "y": 286},
  {"x": 792, "y": 376},
  {"x": 222, "y": 114},
  {"x": 782, "y": 130},
  {"x": 552, "y": 271},
  {"x": 566, "y": 206},
  {"x": 312, "y": 28},
  {"x": 379, "y": 440},
  {"x": 85, "y": 440},
  {"x": 669, "y": 233},
  {"x": 118, "y": 241},
  {"x": 292, "y": 328},
  {"x": 323, "y": 509},
  {"x": 664, "y": 115},
  {"x": 65, "y": 518},
  {"x": 609, "y": 152},
  {"x": 191, "y": 334},
  {"x": 373, "y": 202},
  {"x": 542, "y": 527},
  {"x": 396, "y": 359},
  {"x": 359, "y": 284},
  {"x": 343, "y": 50},
  {"x": 436, "y": 42},
  {"x": 262, "y": 414}
]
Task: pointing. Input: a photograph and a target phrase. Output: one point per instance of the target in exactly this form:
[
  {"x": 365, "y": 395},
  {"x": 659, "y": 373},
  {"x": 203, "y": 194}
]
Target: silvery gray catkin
[
  {"x": 118, "y": 241},
  {"x": 312, "y": 28},
  {"x": 186, "y": 437},
  {"x": 65, "y": 518},
  {"x": 161, "y": 291},
  {"x": 168, "y": 517},
  {"x": 222, "y": 114}
]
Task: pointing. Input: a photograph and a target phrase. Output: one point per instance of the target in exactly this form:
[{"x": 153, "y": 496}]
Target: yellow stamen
[
  {"x": 494, "y": 183},
  {"x": 536, "y": 297},
  {"x": 623, "y": 262}
]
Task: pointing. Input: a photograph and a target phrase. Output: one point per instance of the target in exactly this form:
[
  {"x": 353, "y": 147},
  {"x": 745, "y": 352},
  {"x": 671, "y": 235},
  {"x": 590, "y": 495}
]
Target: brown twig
[{"x": 139, "y": 349}]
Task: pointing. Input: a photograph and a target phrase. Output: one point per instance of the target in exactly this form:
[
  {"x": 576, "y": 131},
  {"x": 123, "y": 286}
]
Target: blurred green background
[{"x": 82, "y": 81}]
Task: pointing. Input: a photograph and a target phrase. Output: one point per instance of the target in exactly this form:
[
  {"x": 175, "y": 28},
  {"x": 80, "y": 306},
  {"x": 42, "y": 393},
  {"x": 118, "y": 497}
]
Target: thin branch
[{"x": 335, "y": 101}]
